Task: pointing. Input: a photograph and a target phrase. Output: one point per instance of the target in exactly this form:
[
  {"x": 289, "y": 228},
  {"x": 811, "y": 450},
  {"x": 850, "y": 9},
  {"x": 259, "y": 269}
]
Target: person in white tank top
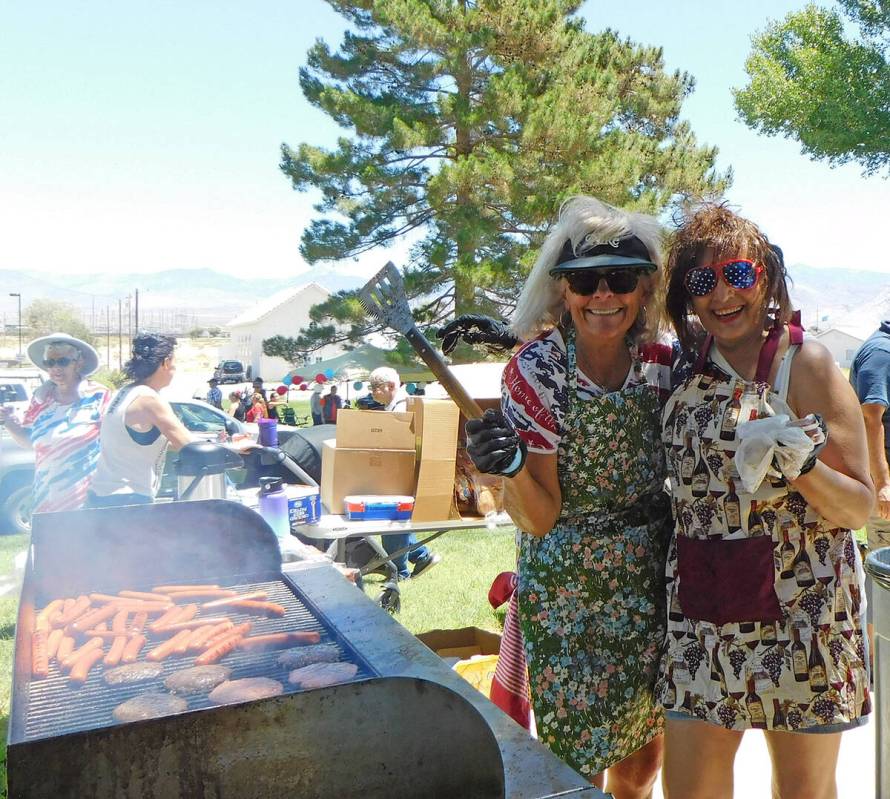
[{"x": 138, "y": 428}]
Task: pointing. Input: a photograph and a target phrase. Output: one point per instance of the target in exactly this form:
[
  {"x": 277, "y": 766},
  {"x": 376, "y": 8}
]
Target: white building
[
  {"x": 840, "y": 344},
  {"x": 283, "y": 314}
]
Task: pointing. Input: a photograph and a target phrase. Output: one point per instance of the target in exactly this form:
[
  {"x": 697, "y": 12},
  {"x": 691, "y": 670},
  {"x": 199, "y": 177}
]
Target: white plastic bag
[{"x": 777, "y": 437}]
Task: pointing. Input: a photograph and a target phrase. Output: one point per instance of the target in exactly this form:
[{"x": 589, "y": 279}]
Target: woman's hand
[
  {"x": 493, "y": 445},
  {"x": 477, "y": 329}
]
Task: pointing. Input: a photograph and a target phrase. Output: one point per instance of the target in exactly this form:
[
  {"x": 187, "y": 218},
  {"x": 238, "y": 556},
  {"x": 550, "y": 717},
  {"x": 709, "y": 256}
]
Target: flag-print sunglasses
[
  {"x": 586, "y": 281},
  {"x": 739, "y": 273}
]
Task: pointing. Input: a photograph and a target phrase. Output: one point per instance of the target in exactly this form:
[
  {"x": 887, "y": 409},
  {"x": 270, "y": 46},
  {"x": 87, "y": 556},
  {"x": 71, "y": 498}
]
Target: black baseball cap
[{"x": 613, "y": 254}]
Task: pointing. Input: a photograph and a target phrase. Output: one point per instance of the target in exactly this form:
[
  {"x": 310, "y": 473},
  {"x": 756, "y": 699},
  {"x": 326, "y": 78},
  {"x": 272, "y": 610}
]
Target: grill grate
[{"x": 57, "y": 708}]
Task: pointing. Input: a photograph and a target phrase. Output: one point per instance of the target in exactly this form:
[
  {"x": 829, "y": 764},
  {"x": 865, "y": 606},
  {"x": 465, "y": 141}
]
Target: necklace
[{"x": 609, "y": 377}]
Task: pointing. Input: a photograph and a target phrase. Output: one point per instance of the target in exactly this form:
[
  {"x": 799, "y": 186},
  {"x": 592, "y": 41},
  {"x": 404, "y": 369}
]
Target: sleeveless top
[
  {"x": 126, "y": 466},
  {"x": 765, "y": 601}
]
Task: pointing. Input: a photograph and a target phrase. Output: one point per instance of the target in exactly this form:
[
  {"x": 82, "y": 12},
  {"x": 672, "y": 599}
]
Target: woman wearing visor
[
  {"x": 62, "y": 422},
  {"x": 768, "y": 471},
  {"x": 578, "y": 442}
]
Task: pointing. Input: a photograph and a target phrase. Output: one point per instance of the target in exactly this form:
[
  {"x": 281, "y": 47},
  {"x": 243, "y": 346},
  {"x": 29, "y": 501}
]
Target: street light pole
[{"x": 15, "y": 294}]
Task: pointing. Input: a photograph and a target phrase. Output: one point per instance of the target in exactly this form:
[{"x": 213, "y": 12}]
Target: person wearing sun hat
[{"x": 62, "y": 422}]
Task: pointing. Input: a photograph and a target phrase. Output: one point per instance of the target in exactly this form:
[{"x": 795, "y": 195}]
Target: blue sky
[{"x": 139, "y": 137}]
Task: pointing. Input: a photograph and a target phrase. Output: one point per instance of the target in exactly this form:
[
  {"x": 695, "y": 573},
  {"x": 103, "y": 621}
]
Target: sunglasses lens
[
  {"x": 740, "y": 274},
  {"x": 701, "y": 281},
  {"x": 63, "y": 362},
  {"x": 622, "y": 281}
]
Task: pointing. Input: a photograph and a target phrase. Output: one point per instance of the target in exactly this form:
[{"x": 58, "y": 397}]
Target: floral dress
[
  {"x": 764, "y": 595},
  {"x": 591, "y": 590}
]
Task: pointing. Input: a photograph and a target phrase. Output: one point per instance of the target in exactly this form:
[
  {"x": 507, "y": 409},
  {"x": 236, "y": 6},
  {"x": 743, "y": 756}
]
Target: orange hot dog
[
  {"x": 107, "y": 634},
  {"x": 81, "y": 605},
  {"x": 169, "y": 646},
  {"x": 144, "y": 595},
  {"x": 93, "y": 643},
  {"x": 119, "y": 623},
  {"x": 190, "y": 624},
  {"x": 52, "y": 643},
  {"x": 280, "y": 640},
  {"x": 170, "y": 616},
  {"x": 94, "y": 618},
  {"x": 138, "y": 624},
  {"x": 203, "y": 593},
  {"x": 166, "y": 589},
  {"x": 223, "y": 647},
  {"x": 66, "y": 647},
  {"x": 253, "y": 606},
  {"x": 116, "y": 652},
  {"x": 39, "y": 654},
  {"x": 206, "y": 634},
  {"x": 132, "y": 648},
  {"x": 51, "y": 609},
  {"x": 219, "y": 603},
  {"x": 81, "y": 668},
  {"x": 224, "y": 632}
]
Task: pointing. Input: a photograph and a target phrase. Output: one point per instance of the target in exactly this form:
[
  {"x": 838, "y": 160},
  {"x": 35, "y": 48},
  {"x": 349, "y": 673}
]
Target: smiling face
[
  {"x": 605, "y": 315},
  {"x": 68, "y": 376},
  {"x": 730, "y": 315}
]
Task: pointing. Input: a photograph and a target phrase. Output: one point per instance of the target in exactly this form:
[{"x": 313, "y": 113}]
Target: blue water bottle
[{"x": 273, "y": 506}]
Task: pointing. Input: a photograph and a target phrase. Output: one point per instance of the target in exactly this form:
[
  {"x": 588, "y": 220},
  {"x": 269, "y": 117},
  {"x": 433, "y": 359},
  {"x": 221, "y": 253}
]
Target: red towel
[{"x": 509, "y": 687}]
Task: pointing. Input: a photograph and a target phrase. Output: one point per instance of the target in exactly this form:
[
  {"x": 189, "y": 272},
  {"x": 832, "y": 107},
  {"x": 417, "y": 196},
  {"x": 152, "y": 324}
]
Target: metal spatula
[{"x": 383, "y": 297}]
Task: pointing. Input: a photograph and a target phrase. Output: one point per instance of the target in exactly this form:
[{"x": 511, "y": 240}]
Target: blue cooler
[{"x": 364, "y": 507}]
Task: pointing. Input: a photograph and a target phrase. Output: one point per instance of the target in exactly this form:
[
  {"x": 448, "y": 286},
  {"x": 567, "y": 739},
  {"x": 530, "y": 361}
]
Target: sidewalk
[{"x": 855, "y": 770}]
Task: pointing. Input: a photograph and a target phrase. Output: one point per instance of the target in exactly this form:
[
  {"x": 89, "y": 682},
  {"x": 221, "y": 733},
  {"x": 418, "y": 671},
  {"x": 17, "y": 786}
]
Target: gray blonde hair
[
  {"x": 585, "y": 219},
  {"x": 64, "y": 349}
]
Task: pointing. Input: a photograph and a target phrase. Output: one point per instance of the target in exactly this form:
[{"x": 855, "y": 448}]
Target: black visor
[{"x": 629, "y": 251}]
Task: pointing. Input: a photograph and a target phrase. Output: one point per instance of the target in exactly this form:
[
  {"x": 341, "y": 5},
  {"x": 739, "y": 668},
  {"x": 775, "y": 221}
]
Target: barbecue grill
[{"x": 405, "y": 725}]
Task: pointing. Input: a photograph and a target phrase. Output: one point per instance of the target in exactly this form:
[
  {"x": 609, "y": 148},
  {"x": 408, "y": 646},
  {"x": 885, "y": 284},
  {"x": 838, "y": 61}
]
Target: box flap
[
  {"x": 375, "y": 430},
  {"x": 483, "y": 642}
]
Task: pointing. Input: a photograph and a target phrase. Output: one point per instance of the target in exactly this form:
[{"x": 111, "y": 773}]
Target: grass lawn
[{"x": 453, "y": 594}]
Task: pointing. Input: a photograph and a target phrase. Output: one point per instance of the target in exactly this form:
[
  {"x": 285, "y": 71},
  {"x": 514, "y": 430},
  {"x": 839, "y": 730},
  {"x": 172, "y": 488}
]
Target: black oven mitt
[
  {"x": 493, "y": 445},
  {"x": 477, "y": 329}
]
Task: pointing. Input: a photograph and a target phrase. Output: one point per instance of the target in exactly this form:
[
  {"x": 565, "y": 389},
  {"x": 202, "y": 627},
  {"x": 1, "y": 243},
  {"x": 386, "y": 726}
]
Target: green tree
[
  {"x": 468, "y": 122},
  {"x": 43, "y": 317},
  {"x": 822, "y": 77}
]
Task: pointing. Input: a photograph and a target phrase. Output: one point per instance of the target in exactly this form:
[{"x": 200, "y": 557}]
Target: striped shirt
[{"x": 66, "y": 444}]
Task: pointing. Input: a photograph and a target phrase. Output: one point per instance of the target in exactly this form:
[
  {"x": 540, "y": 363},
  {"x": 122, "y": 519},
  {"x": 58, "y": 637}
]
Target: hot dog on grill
[
  {"x": 39, "y": 654},
  {"x": 279, "y": 640},
  {"x": 81, "y": 668},
  {"x": 132, "y": 648},
  {"x": 223, "y": 647},
  {"x": 219, "y": 603},
  {"x": 169, "y": 646}
]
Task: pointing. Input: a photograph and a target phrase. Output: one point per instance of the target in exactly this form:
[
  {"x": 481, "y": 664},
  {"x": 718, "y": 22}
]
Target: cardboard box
[
  {"x": 436, "y": 423},
  {"x": 358, "y": 429},
  {"x": 477, "y": 649},
  {"x": 363, "y": 471},
  {"x": 463, "y": 642}
]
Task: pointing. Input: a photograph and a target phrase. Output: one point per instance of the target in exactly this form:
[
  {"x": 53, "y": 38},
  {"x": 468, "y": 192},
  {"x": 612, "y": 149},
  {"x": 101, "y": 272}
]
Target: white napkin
[{"x": 777, "y": 437}]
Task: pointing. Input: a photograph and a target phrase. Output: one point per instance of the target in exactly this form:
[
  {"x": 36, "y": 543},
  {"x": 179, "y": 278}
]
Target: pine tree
[{"x": 469, "y": 122}]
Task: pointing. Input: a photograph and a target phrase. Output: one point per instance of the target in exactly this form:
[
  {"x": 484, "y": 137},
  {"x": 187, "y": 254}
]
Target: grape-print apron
[
  {"x": 764, "y": 596},
  {"x": 591, "y": 601}
]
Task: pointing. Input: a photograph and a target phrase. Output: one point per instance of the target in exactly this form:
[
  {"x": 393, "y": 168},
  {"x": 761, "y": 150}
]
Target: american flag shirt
[
  {"x": 534, "y": 389},
  {"x": 66, "y": 444}
]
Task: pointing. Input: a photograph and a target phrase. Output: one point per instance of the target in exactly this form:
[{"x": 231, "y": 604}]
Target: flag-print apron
[
  {"x": 764, "y": 596},
  {"x": 591, "y": 601}
]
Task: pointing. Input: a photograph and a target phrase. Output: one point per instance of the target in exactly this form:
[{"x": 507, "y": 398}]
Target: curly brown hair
[{"x": 715, "y": 226}]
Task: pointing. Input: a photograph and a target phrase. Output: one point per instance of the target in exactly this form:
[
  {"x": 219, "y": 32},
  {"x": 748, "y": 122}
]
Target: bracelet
[{"x": 515, "y": 465}]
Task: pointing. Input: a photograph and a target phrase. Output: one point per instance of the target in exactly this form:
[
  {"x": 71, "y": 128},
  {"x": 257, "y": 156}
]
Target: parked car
[
  {"x": 230, "y": 372},
  {"x": 17, "y": 463}
]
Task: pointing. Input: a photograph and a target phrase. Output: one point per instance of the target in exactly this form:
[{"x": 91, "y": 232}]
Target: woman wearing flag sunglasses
[
  {"x": 62, "y": 422},
  {"x": 579, "y": 440},
  {"x": 764, "y": 581}
]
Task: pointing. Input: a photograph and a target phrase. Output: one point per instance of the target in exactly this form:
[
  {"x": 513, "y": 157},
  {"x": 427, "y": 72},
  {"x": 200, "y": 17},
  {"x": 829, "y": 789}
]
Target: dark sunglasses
[
  {"x": 739, "y": 274},
  {"x": 49, "y": 363},
  {"x": 587, "y": 281}
]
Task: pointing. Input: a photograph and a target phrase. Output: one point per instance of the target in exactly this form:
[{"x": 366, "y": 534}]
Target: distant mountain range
[
  {"x": 852, "y": 299},
  {"x": 181, "y": 297}
]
